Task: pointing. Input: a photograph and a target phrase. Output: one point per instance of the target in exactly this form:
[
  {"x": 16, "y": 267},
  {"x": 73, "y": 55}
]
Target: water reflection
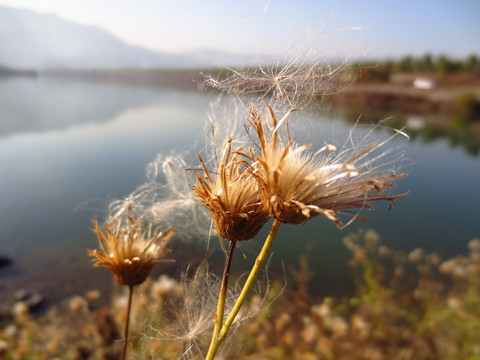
[
  {"x": 427, "y": 128},
  {"x": 470, "y": 144},
  {"x": 35, "y": 105}
]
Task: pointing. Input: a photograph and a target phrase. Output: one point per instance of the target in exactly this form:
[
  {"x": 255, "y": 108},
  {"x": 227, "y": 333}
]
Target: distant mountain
[{"x": 32, "y": 40}]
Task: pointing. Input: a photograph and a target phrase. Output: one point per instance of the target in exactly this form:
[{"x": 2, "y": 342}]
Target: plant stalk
[
  {"x": 222, "y": 296},
  {"x": 125, "y": 334},
  {"x": 216, "y": 341}
]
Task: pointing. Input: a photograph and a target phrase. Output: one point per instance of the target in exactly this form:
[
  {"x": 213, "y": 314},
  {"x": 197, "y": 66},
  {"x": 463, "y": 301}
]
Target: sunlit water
[{"x": 67, "y": 149}]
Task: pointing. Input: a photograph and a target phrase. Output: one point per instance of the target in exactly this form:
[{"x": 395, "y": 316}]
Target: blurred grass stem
[
  {"x": 125, "y": 334},
  {"x": 217, "y": 340}
]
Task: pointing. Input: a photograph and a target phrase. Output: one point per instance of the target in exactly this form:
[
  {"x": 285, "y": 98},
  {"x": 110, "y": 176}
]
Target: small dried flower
[
  {"x": 231, "y": 195},
  {"x": 416, "y": 256},
  {"x": 296, "y": 186},
  {"x": 474, "y": 245},
  {"x": 129, "y": 251}
]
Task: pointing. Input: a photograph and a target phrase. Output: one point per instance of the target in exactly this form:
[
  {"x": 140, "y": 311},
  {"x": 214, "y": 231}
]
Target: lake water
[{"x": 67, "y": 149}]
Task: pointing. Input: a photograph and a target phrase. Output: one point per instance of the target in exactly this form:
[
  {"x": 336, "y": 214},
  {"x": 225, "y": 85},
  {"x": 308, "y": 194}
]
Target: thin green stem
[
  {"x": 222, "y": 296},
  {"x": 125, "y": 334},
  {"x": 212, "y": 351}
]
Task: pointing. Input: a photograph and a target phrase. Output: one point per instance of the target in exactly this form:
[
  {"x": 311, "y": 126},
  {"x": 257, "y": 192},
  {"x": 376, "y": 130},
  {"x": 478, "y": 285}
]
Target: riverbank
[{"x": 431, "y": 96}]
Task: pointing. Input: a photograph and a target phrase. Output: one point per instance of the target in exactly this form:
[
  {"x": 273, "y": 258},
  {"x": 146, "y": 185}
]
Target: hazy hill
[{"x": 32, "y": 40}]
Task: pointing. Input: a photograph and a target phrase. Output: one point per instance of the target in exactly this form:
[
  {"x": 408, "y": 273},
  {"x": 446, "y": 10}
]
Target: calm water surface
[{"x": 68, "y": 148}]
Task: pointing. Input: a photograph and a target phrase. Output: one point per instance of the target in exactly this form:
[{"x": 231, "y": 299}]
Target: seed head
[
  {"x": 166, "y": 198},
  {"x": 231, "y": 195},
  {"x": 128, "y": 250},
  {"x": 298, "y": 78},
  {"x": 296, "y": 185}
]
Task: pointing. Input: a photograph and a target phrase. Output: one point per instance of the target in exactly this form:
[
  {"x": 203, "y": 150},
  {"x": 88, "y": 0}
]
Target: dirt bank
[{"x": 410, "y": 93}]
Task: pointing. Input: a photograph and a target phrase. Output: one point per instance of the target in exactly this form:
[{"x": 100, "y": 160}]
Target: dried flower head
[
  {"x": 231, "y": 195},
  {"x": 128, "y": 250},
  {"x": 296, "y": 185}
]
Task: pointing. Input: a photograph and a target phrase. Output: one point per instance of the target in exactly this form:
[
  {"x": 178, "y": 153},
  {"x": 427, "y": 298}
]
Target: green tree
[
  {"x": 405, "y": 64},
  {"x": 471, "y": 64},
  {"x": 424, "y": 64}
]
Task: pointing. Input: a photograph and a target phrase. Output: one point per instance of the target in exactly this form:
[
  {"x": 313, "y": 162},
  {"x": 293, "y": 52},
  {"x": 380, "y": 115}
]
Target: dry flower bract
[
  {"x": 231, "y": 195},
  {"x": 296, "y": 185},
  {"x": 129, "y": 250}
]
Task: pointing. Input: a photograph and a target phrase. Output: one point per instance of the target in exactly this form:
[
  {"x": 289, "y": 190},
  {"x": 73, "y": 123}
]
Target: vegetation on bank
[
  {"x": 406, "y": 306},
  {"x": 427, "y": 64}
]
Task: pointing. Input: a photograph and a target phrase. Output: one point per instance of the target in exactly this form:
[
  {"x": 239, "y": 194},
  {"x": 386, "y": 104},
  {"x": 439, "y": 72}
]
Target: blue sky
[{"x": 342, "y": 28}]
